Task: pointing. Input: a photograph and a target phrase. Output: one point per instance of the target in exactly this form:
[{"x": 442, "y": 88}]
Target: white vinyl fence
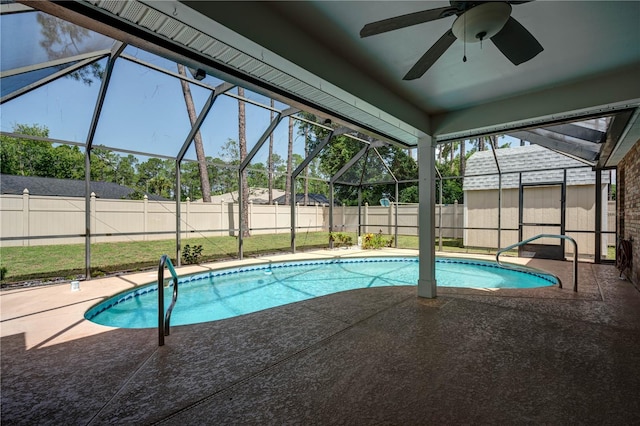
[
  {"x": 38, "y": 220},
  {"x": 383, "y": 219}
]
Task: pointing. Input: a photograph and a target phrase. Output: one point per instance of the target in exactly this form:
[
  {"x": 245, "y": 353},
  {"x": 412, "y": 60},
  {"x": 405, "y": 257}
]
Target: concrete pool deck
[{"x": 374, "y": 356}]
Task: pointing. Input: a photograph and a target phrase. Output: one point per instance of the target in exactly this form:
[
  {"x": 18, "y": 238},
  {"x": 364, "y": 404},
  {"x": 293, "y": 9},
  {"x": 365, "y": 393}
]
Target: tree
[
  {"x": 270, "y": 159},
  {"x": 451, "y": 188},
  {"x": 62, "y": 39},
  {"x": 190, "y": 181},
  {"x": 67, "y": 162},
  {"x": 257, "y": 176},
  {"x": 24, "y": 156},
  {"x": 29, "y": 157},
  {"x": 197, "y": 139},
  {"x": 103, "y": 164},
  {"x": 242, "y": 143},
  {"x": 157, "y": 177}
]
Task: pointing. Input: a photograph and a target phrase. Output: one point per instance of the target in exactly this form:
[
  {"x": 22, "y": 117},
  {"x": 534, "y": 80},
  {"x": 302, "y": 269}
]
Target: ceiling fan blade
[
  {"x": 432, "y": 55},
  {"x": 407, "y": 20},
  {"x": 516, "y": 43}
]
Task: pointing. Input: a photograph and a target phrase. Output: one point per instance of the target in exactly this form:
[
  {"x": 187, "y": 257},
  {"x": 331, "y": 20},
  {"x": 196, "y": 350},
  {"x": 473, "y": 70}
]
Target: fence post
[
  {"x": 390, "y": 218},
  {"x": 222, "y": 225},
  {"x": 343, "y": 217},
  {"x": 94, "y": 214},
  {"x": 145, "y": 217},
  {"x": 250, "y": 218},
  {"x": 275, "y": 206},
  {"x": 315, "y": 225},
  {"x": 25, "y": 217},
  {"x": 365, "y": 219},
  {"x": 186, "y": 219},
  {"x": 455, "y": 219}
]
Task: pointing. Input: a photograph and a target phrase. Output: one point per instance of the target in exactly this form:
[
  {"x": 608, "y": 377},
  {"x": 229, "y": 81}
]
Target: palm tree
[{"x": 197, "y": 140}]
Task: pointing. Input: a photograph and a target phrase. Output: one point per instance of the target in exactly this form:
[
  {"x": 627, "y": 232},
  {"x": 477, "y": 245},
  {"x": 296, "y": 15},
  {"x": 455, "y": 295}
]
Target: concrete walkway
[{"x": 372, "y": 356}]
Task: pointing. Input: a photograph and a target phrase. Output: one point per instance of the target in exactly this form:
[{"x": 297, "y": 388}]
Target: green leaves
[{"x": 191, "y": 254}]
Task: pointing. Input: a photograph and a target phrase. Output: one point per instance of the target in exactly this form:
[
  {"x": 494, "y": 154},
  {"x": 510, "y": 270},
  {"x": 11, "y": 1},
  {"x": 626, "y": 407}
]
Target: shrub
[
  {"x": 340, "y": 238},
  {"x": 3, "y": 273},
  {"x": 191, "y": 255},
  {"x": 376, "y": 241}
]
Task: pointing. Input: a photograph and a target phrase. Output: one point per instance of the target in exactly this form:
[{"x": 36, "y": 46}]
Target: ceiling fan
[{"x": 476, "y": 21}]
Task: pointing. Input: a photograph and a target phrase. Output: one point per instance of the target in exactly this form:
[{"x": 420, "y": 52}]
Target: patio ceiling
[{"x": 310, "y": 53}]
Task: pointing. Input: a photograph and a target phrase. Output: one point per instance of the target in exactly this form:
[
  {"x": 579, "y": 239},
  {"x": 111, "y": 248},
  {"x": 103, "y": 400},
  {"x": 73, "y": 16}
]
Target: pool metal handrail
[
  {"x": 164, "y": 320},
  {"x": 528, "y": 240}
]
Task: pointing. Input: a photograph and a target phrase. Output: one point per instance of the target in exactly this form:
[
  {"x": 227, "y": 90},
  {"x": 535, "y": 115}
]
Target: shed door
[{"x": 542, "y": 212}]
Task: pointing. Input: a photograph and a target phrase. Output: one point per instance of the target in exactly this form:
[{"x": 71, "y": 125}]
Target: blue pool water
[{"x": 231, "y": 292}]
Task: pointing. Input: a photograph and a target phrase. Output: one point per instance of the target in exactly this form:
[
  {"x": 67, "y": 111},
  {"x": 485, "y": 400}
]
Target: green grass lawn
[{"x": 67, "y": 261}]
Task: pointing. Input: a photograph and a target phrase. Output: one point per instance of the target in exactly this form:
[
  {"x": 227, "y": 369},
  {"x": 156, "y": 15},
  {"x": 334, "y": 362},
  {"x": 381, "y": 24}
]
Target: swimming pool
[{"x": 237, "y": 291}]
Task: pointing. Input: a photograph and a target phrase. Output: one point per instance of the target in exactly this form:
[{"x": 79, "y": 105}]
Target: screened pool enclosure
[{"x": 201, "y": 157}]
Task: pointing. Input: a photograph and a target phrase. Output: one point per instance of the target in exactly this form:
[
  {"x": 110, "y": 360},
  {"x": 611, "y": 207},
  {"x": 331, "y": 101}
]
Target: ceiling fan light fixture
[{"x": 487, "y": 18}]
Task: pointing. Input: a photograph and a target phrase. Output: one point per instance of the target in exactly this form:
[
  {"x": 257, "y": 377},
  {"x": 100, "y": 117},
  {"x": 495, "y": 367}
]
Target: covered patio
[
  {"x": 375, "y": 356},
  {"x": 543, "y": 356}
]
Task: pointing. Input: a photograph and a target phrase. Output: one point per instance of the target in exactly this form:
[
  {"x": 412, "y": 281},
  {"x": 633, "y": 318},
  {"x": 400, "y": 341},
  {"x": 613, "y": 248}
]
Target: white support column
[{"x": 426, "y": 217}]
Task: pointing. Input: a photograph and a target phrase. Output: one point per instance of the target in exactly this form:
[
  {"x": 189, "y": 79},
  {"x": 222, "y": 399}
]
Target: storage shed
[{"x": 525, "y": 191}]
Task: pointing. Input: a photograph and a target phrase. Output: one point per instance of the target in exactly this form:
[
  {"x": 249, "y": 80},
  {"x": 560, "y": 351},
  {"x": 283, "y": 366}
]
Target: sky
[{"x": 144, "y": 109}]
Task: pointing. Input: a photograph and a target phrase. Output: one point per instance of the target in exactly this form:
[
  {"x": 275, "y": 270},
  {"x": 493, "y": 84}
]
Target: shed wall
[{"x": 541, "y": 206}]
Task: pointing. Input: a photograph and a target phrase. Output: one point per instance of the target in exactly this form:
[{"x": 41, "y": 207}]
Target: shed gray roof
[
  {"x": 12, "y": 184},
  {"x": 538, "y": 164},
  {"x": 313, "y": 198}
]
